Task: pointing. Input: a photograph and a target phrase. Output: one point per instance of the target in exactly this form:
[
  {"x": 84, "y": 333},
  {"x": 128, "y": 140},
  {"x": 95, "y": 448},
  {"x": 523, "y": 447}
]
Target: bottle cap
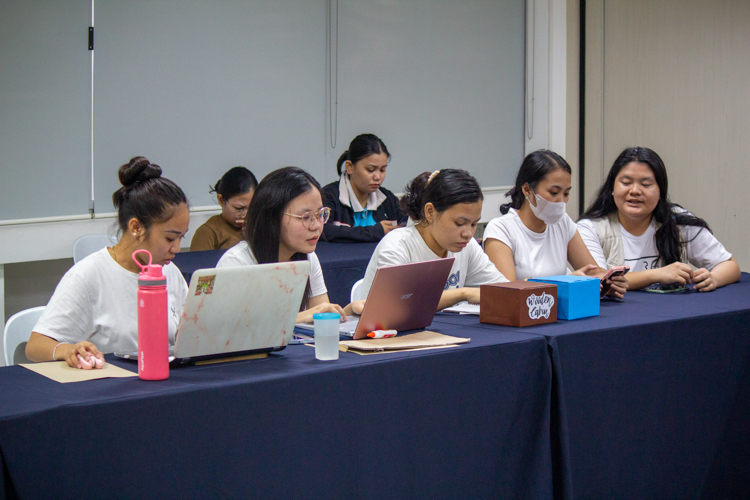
[
  {"x": 149, "y": 271},
  {"x": 335, "y": 316}
]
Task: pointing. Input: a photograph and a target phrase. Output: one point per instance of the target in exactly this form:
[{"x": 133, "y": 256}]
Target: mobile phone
[
  {"x": 613, "y": 271},
  {"x": 670, "y": 288}
]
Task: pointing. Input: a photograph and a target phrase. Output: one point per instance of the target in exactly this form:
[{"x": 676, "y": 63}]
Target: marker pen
[{"x": 382, "y": 334}]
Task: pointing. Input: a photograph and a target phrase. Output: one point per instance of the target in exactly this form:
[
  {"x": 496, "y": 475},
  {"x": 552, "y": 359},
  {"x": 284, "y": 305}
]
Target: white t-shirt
[
  {"x": 535, "y": 255},
  {"x": 96, "y": 300},
  {"x": 703, "y": 249},
  {"x": 471, "y": 266},
  {"x": 242, "y": 255}
]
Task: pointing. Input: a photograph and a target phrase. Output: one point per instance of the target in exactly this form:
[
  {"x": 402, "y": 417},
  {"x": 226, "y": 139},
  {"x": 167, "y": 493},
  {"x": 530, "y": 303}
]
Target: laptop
[
  {"x": 403, "y": 297},
  {"x": 237, "y": 311}
]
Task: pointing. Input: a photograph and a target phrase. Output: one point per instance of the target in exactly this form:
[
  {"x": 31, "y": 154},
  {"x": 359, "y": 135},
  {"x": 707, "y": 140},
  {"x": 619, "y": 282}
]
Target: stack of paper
[{"x": 414, "y": 341}]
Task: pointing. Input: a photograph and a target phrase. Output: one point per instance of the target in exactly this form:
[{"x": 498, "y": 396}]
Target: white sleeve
[
  {"x": 481, "y": 270},
  {"x": 387, "y": 253},
  {"x": 497, "y": 230},
  {"x": 231, "y": 260},
  {"x": 570, "y": 228},
  {"x": 703, "y": 249},
  {"x": 69, "y": 315},
  {"x": 317, "y": 283},
  {"x": 591, "y": 239},
  {"x": 180, "y": 290}
]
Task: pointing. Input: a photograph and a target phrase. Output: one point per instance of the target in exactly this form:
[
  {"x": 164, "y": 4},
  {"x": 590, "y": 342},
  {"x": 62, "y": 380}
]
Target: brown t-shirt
[{"x": 214, "y": 234}]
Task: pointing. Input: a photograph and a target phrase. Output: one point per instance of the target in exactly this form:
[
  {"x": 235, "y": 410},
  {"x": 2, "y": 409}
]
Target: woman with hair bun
[
  {"x": 233, "y": 192},
  {"x": 93, "y": 309},
  {"x": 361, "y": 209},
  {"x": 632, "y": 222},
  {"x": 445, "y": 207}
]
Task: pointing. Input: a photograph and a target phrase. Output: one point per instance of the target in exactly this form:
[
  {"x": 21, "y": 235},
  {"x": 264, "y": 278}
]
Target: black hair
[
  {"x": 449, "y": 187},
  {"x": 361, "y": 146},
  {"x": 262, "y": 229},
  {"x": 236, "y": 180},
  {"x": 667, "y": 237},
  {"x": 145, "y": 194},
  {"x": 534, "y": 169}
]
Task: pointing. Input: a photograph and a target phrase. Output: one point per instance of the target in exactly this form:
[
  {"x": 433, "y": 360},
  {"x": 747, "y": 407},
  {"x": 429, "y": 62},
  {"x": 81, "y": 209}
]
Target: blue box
[{"x": 577, "y": 296}]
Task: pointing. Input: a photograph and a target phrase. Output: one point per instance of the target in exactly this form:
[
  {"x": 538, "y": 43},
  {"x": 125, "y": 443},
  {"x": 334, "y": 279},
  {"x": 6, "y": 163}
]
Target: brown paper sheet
[
  {"x": 419, "y": 340},
  {"x": 59, "y": 371}
]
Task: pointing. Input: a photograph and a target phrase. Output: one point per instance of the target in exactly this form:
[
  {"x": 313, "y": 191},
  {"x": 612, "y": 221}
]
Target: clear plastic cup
[{"x": 326, "y": 335}]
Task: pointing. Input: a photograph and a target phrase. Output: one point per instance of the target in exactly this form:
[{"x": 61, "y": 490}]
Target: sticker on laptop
[
  {"x": 540, "y": 306},
  {"x": 205, "y": 285}
]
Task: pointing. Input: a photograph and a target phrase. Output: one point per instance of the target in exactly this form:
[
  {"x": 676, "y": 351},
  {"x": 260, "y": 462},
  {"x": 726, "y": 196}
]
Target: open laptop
[
  {"x": 236, "y": 311},
  {"x": 402, "y": 297}
]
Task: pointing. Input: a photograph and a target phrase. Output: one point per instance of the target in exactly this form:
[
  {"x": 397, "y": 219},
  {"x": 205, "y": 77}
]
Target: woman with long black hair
[
  {"x": 284, "y": 223},
  {"x": 535, "y": 237},
  {"x": 632, "y": 222}
]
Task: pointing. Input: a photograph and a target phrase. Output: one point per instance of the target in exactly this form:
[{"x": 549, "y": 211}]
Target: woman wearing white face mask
[{"x": 535, "y": 237}]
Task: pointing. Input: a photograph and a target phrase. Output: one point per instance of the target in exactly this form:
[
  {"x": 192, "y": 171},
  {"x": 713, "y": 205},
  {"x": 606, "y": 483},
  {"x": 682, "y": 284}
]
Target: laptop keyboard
[{"x": 348, "y": 327}]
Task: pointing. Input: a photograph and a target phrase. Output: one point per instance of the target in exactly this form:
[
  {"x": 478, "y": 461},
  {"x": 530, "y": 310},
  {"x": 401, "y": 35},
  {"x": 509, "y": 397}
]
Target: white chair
[
  {"x": 17, "y": 333},
  {"x": 355, "y": 290},
  {"x": 87, "y": 244}
]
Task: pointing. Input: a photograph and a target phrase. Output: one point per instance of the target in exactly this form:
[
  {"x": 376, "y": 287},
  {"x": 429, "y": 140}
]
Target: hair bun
[{"x": 138, "y": 169}]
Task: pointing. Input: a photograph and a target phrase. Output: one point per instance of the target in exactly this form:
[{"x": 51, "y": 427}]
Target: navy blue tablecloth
[
  {"x": 342, "y": 263},
  {"x": 466, "y": 422},
  {"x": 651, "y": 398}
]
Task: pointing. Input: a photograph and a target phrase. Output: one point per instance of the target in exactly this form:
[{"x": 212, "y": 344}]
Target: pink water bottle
[{"x": 153, "y": 323}]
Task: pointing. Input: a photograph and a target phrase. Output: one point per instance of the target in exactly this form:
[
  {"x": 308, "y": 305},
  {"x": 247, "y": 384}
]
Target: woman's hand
[
  {"x": 704, "y": 281},
  {"x": 356, "y": 307},
  {"x": 306, "y": 316},
  {"x": 618, "y": 286},
  {"x": 471, "y": 294},
  {"x": 677, "y": 272},
  {"x": 389, "y": 225},
  {"x": 587, "y": 270},
  {"x": 83, "y": 355}
]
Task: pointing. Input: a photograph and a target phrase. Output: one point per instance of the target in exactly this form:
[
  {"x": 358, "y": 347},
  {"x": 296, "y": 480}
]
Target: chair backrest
[
  {"x": 17, "y": 333},
  {"x": 87, "y": 244},
  {"x": 355, "y": 290}
]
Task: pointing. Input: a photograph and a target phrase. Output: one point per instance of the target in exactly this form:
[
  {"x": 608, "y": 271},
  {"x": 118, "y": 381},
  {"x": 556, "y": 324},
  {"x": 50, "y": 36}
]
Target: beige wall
[{"x": 676, "y": 79}]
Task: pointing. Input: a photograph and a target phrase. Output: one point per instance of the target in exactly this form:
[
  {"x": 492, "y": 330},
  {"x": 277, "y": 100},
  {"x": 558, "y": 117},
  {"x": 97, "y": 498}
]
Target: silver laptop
[
  {"x": 402, "y": 297},
  {"x": 235, "y": 311}
]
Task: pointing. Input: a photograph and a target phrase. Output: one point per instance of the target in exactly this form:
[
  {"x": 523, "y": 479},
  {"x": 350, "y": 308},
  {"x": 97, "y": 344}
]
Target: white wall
[{"x": 673, "y": 76}]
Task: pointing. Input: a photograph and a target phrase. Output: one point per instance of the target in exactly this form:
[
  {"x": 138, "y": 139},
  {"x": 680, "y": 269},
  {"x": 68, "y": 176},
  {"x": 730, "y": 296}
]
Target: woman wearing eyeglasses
[{"x": 284, "y": 223}]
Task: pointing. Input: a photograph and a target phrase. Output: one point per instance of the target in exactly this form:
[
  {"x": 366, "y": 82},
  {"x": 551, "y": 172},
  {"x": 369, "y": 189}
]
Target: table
[
  {"x": 650, "y": 399},
  {"x": 342, "y": 263},
  {"x": 466, "y": 422}
]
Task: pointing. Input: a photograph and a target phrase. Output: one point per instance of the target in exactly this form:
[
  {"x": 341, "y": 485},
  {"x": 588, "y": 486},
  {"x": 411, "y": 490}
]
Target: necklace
[{"x": 114, "y": 253}]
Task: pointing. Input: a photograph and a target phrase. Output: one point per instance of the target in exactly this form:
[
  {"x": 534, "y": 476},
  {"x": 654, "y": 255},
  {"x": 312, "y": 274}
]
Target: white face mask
[{"x": 547, "y": 211}]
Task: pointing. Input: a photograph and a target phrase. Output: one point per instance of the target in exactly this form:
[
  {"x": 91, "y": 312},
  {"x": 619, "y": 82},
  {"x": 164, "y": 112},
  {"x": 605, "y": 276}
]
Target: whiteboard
[
  {"x": 45, "y": 93},
  {"x": 441, "y": 82},
  {"x": 199, "y": 87}
]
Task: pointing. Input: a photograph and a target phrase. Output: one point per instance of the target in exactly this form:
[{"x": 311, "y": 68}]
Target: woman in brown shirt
[{"x": 234, "y": 192}]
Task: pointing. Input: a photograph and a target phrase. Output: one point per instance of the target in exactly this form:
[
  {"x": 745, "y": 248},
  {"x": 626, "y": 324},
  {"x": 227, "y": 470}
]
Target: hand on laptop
[
  {"x": 306, "y": 316},
  {"x": 355, "y": 308}
]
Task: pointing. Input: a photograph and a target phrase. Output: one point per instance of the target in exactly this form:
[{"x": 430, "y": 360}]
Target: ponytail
[{"x": 361, "y": 146}]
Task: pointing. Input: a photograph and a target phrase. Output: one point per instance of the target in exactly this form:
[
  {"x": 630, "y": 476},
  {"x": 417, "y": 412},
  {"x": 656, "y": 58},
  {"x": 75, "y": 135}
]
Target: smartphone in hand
[{"x": 613, "y": 271}]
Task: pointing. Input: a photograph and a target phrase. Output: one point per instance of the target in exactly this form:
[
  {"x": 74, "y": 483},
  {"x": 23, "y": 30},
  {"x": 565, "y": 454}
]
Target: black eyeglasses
[{"x": 309, "y": 217}]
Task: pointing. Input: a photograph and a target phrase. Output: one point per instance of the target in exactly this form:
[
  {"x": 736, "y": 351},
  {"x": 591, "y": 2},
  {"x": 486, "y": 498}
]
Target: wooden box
[{"x": 518, "y": 303}]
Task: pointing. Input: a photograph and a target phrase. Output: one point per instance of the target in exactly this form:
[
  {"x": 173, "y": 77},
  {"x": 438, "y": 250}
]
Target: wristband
[{"x": 55, "y": 349}]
